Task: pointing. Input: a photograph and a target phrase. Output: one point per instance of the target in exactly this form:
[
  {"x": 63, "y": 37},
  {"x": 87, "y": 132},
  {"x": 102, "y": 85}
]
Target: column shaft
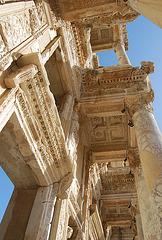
[
  {"x": 151, "y": 9},
  {"x": 149, "y": 141},
  {"x": 150, "y": 221},
  {"x": 139, "y": 227},
  {"x": 121, "y": 54}
]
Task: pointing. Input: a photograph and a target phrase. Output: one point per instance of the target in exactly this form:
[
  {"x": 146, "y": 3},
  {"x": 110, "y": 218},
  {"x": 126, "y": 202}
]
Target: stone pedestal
[{"x": 121, "y": 54}]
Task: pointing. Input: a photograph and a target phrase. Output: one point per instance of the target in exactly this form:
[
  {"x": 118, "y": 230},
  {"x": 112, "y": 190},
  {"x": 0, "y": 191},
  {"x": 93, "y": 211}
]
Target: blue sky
[{"x": 145, "y": 44}]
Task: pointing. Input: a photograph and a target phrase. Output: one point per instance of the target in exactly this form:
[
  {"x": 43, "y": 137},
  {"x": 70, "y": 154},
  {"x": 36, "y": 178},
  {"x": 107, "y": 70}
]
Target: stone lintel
[
  {"x": 116, "y": 146},
  {"x": 120, "y": 196},
  {"x": 109, "y": 156}
]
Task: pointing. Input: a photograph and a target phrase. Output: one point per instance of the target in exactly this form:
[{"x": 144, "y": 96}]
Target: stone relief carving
[
  {"x": 16, "y": 28},
  {"x": 140, "y": 102},
  {"x": 156, "y": 198},
  {"x": 148, "y": 67},
  {"x": 41, "y": 100},
  {"x": 3, "y": 47},
  {"x": 64, "y": 186},
  {"x": 150, "y": 141},
  {"x": 38, "y": 114},
  {"x": 62, "y": 218},
  {"x": 73, "y": 138},
  {"x": 34, "y": 20},
  {"x": 41, "y": 12},
  {"x": 133, "y": 157},
  {"x": 147, "y": 209},
  {"x": 77, "y": 5},
  {"x": 106, "y": 81},
  {"x": 16, "y": 78},
  {"x": 69, "y": 232}
]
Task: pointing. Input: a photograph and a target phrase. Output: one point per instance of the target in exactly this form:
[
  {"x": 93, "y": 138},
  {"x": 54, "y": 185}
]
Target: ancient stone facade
[{"x": 79, "y": 141}]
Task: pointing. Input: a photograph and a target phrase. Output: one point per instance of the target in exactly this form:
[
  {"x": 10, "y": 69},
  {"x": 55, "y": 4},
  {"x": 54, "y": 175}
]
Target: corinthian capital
[{"x": 139, "y": 102}]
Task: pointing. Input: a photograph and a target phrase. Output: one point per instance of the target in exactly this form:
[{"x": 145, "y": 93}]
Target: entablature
[{"x": 113, "y": 81}]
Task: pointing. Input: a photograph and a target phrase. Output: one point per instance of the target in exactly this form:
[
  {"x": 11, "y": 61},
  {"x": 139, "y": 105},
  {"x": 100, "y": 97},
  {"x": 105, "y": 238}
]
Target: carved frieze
[
  {"x": 118, "y": 183},
  {"x": 41, "y": 12},
  {"x": 108, "y": 81},
  {"x": 15, "y": 28},
  {"x": 3, "y": 47},
  {"x": 77, "y": 5},
  {"x": 18, "y": 23}
]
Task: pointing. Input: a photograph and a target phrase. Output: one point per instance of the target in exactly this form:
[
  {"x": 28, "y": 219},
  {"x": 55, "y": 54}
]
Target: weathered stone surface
[{"x": 73, "y": 134}]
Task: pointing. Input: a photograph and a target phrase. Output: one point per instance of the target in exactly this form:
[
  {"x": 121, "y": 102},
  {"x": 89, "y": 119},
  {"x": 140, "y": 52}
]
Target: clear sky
[{"x": 145, "y": 44}]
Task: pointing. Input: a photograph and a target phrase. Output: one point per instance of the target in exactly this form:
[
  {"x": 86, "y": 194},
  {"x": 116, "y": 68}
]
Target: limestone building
[{"x": 78, "y": 141}]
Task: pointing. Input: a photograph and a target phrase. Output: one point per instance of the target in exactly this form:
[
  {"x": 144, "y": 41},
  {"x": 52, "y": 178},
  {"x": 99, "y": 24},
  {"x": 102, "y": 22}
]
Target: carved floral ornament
[{"x": 37, "y": 112}]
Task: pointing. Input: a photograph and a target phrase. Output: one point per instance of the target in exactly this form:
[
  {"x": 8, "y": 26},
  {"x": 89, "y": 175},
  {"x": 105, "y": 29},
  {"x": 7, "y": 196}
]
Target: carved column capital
[{"x": 139, "y": 102}]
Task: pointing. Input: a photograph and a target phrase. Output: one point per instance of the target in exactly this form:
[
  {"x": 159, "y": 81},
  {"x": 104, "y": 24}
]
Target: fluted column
[
  {"x": 121, "y": 54},
  {"x": 151, "y": 9}
]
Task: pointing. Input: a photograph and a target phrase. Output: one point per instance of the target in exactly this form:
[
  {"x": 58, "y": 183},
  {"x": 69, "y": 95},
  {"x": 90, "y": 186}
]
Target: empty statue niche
[
  {"x": 15, "y": 155},
  {"x": 55, "y": 71}
]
